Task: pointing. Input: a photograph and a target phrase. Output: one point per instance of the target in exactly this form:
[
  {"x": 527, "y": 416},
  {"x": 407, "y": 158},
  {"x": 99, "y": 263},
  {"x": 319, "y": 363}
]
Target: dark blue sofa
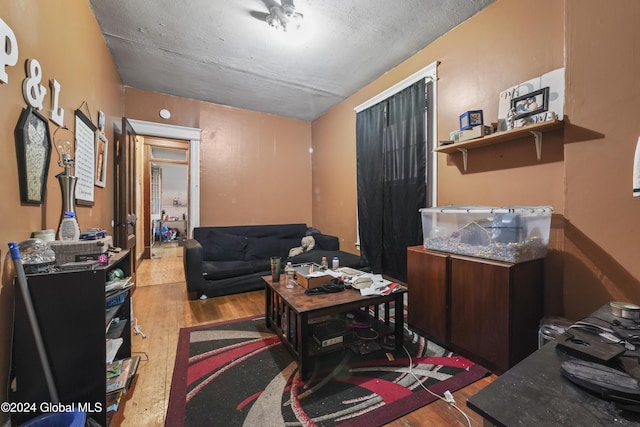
[{"x": 227, "y": 260}]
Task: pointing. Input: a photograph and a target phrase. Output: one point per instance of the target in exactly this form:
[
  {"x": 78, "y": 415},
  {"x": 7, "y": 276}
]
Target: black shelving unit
[{"x": 75, "y": 325}]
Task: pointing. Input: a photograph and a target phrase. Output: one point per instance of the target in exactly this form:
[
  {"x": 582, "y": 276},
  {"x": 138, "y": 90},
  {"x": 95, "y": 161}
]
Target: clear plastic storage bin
[{"x": 512, "y": 234}]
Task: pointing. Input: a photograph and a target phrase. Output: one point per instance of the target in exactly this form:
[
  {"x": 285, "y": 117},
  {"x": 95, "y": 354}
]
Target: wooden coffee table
[{"x": 298, "y": 309}]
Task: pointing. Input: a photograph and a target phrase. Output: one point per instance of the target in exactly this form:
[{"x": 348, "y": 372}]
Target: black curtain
[
  {"x": 391, "y": 175},
  {"x": 370, "y": 125}
]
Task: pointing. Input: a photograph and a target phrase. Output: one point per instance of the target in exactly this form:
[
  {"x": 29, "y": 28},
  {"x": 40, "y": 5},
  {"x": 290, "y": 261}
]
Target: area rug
[{"x": 239, "y": 374}]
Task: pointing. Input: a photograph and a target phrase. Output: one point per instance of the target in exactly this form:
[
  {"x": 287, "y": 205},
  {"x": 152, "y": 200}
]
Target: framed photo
[
  {"x": 531, "y": 103},
  {"x": 470, "y": 119},
  {"x": 102, "y": 148},
  {"x": 33, "y": 150}
]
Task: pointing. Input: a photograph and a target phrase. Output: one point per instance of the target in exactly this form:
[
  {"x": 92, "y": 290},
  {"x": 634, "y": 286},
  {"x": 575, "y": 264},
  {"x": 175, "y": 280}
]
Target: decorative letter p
[{"x": 8, "y": 56}]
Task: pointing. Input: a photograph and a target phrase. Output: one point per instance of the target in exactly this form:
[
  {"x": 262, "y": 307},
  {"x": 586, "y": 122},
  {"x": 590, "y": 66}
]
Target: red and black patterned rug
[{"x": 239, "y": 374}]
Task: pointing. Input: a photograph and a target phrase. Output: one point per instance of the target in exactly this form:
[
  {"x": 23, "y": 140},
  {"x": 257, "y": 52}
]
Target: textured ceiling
[{"x": 224, "y": 52}]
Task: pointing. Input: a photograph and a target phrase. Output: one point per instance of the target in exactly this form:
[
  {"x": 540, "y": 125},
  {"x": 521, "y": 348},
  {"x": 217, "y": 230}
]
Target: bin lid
[
  {"x": 57, "y": 419},
  {"x": 479, "y": 209}
]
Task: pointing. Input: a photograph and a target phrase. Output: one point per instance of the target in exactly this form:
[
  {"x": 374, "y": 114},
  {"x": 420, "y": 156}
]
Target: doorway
[
  {"x": 166, "y": 197},
  {"x": 192, "y": 138}
]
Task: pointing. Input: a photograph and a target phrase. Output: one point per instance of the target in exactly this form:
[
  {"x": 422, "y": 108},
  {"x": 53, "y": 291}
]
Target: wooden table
[{"x": 298, "y": 309}]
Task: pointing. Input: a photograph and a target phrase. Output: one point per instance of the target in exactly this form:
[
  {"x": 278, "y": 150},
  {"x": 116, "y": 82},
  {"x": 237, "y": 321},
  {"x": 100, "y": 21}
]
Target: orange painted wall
[
  {"x": 584, "y": 176},
  {"x": 334, "y": 175},
  {"x": 255, "y": 168},
  {"x": 602, "y": 244}
]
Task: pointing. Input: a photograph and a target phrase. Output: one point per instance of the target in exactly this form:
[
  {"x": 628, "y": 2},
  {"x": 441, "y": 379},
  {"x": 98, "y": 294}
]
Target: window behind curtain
[{"x": 391, "y": 158}]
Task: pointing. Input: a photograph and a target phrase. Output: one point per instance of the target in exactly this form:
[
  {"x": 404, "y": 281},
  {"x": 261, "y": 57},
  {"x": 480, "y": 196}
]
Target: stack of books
[{"x": 119, "y": 376}]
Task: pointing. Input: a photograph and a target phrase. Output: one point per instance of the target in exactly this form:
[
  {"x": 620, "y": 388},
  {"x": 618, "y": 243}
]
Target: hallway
[{"x": 165, "y": 266}]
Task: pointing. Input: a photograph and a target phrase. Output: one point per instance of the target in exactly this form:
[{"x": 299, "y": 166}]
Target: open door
[{"x": 125, "y": 195}]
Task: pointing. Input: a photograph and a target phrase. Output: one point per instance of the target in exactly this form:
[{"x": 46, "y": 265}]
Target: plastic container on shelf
[
  {"x": 37, "y": 256},
  {"x": 335, "y": 263},
  {"x": 69, "y": 228},
  {"x": 512, "y": 234},
  {"x": 46, "y": 235},
  {"x": 551, "y": 328}
]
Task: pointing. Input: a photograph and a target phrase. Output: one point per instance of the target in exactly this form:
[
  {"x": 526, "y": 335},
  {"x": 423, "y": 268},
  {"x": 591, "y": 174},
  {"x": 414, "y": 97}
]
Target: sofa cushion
[
  {"x": 215, "y": 270},
  {"x": 218, "y": 246},
  {"x": 279, "y": 231},
  {"x": 262, "y": 248},
  {"x": 261, "y": 265},
  {"x": 266, "y": 247},
  {"x": 326, "y": 242}
]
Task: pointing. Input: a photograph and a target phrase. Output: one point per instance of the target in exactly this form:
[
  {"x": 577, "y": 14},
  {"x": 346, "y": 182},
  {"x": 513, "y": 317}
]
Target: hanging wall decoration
[
  {"x": 85, "y": 159},
  {"x": 102, "y": 148},
  {"x": 33, "y": 149}
]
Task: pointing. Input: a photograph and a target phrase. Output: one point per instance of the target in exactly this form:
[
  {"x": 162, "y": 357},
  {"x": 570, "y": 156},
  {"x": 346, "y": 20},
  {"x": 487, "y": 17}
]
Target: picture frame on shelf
[
  {"x": 531, "y": 103},
  {"x": 33, "y": 150},
  {"x": 469, "y": 119},
  {"x": 102, "y": 149}
]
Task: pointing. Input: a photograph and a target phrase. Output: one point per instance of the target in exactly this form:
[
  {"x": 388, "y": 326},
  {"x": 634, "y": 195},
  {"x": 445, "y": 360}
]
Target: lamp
[
  {"x": 68, "y": 221},
  {"x": 285, "y": 18}
]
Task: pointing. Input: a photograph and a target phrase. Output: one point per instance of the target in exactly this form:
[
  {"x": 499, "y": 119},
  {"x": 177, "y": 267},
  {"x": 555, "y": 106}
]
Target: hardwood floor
[{"x": 161, "y": 308}]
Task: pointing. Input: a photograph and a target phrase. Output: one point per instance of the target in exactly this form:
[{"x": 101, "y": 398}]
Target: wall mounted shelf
[{"x": 500, "y": 137}]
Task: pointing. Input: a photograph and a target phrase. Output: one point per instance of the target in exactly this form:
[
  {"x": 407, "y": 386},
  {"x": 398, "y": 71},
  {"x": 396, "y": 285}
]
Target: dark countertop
[{"x": 533, "y": 393}]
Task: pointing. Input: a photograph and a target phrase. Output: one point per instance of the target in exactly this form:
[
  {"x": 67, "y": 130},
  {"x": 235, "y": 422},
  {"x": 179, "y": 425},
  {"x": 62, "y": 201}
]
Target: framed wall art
[
  {"x": 85, "y": 160},
  {"x": 102, "y": 148},
  {"x": 531, "y": 103},
  {"x": 33, "y": 150}
]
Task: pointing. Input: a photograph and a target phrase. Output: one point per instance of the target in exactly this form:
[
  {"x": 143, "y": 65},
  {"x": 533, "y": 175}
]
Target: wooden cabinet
[
  {"x": 428, "y": 293},
  {"x": 486, "y": 310},
  {"x": 75, "y": 323}
]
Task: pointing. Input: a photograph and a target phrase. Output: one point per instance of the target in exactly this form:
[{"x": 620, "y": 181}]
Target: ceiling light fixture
[{"x": 285, "y": 18}]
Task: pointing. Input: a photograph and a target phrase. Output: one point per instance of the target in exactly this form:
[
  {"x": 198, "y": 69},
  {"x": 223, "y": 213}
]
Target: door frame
[
  {"x": 181, "y": 145},
  {"x": 192, "y": 135}
]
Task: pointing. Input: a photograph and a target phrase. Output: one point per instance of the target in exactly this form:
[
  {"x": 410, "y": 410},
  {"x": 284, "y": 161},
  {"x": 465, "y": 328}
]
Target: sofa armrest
[
  {"x": 192, "y": 259},
  {"x": 326, "y": 242}
]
